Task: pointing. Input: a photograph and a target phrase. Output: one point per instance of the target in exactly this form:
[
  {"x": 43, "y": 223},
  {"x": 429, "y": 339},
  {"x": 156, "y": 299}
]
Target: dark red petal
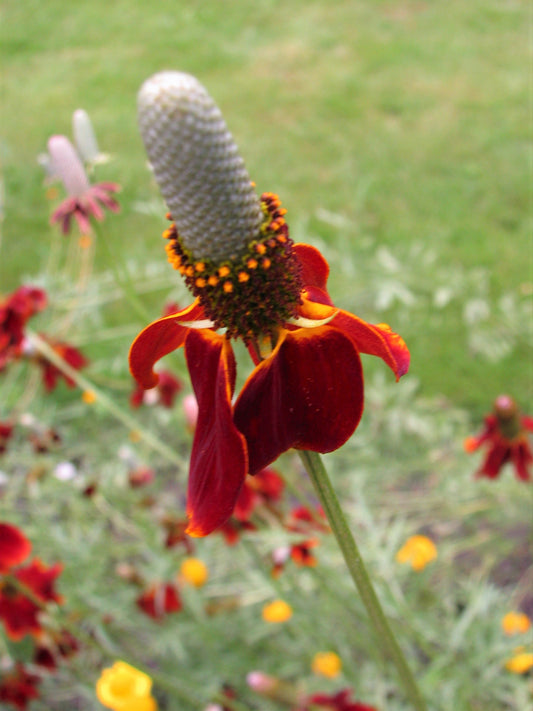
[
  {"x": 527, "y": 423},
  {"x": 522, "y": 459},
  {"x": 308, "y": 395},
  {"x": 219, "y": 460},
  {"x": 14, "y": 547},
  {"x": 496, "y": 457},
  {"x": 157, "y": 340},
  {"x": 378, "y": 340},
  {"x": 315, "y": 269}
]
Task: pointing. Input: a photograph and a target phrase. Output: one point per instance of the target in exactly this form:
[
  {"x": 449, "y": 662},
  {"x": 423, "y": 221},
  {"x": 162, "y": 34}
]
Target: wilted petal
[
  {"x": 157, "y": 340},
  {"x": 219, "y": 460},
  {"x": 308, "y": 395}
]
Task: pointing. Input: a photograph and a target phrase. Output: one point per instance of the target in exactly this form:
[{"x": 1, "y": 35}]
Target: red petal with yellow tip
[
  {"x": 379, "y": 340},
  {"x": 308, "y": 395},
  {"x": 219, "y": 460},
  {"x": 157, "y": 340}
]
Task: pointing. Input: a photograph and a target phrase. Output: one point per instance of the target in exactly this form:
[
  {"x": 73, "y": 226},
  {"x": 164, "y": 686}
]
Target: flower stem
[
  {"x": 386, "y": 640},
  {"x": 84, "y": 384}
]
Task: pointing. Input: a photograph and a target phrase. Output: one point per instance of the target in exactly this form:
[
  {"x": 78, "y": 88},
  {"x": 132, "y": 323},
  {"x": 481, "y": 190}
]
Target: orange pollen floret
[
  {"x": 223, "y": 271},
  {"x": 199, "y": 266},
  {"x": 168, "y": 216},
  {"x": 260, "y": 248},
  {"x": 281, "y": 239},
  {"x": 189, "y": 271},
  {"x": 213, "y": 280},
  {"x": 266, "y": 263},
  {"x": 251, "y": 263},
  {"x": 200, "y": 283},
  {"x": 243, "y": 276},
  {"x": 228, "y": 287},
  {"x": 182, "y": 270},
  {"x": 168, "y": 233}
]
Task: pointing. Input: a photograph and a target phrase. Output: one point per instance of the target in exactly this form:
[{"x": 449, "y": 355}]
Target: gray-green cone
[{"x": 197, "y": 167}]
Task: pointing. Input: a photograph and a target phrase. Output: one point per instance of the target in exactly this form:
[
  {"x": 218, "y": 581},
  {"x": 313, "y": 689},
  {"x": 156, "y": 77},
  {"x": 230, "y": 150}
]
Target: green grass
[{"x": 407, "y": 121}]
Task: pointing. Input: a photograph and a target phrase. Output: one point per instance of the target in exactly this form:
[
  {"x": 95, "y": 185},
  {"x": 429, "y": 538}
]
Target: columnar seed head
[
  {"x": 84, "y": 136},
  {"x": 197, "y": 166},
  {"x": 67, "y": 165}
]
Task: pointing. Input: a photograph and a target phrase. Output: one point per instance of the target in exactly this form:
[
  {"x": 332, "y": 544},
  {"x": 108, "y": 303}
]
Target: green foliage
[{"x": 395, "y": 134}]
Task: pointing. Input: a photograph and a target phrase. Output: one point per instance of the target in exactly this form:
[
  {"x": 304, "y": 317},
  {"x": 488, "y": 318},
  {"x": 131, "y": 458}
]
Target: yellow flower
[
  {"x": 521, "y": 663},
  {"x": 194, "y": 571},
  {"x": 418, "y": 551},
  {"x": 326, "y": 664},
  {"x": 277, "y": 611},
  {"x": 515, "y": 623},
  {"x": 124, "y": 688}
]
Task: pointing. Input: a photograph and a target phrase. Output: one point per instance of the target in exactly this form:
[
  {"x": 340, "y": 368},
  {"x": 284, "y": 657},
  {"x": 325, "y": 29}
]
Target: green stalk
[
  {"x": 385, "y": 638},
  {"x": 104, "y": 400}
]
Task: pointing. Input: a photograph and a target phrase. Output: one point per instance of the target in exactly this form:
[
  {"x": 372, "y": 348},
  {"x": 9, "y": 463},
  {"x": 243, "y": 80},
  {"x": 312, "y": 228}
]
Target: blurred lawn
[{"x": 398, "y": 125}]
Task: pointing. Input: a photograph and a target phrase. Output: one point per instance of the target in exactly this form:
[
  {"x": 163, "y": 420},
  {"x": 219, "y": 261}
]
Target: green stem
[
  {"x": 122, "y": 277},
  {"x": 82, "y": 382},
  {"x": 356, "y": 566}
]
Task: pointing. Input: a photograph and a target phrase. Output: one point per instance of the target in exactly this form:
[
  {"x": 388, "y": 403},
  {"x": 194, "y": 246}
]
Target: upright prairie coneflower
[
  {"x": 250, "y": 282},
  {"x": 84, "y": 200},
  {"x": 505, "y": 436}
]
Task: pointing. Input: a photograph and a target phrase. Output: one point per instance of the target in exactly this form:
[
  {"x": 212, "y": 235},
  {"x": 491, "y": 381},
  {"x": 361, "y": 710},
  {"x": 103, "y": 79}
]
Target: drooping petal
[
  {"x": 157, "y": 340},
  {"x": 315, "y": 269},
  {"x": 219, "y": 460},
  {"x": 308, "y": 395},
  {"x": 378, "y": 340},
  {"x": 496, "y": 457},
  {"x": 14, "y": 547},
  {"x": 522, "y": 459}
]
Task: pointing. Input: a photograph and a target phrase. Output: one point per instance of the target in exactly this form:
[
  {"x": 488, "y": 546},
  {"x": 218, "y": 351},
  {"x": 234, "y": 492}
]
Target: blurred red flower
[
  {"x": 51, "y": 373},
  {"x": 159, "y": 599},
  {"x": 20, "y": 613},
  {"x": 505, "y": 436},
  {"x": 337, "y": 702},
  {"x": 15, "y": 310},
  {"x": 14, "y": 547},
  {"x": 168, "y": 386},
  {"x": 18, "y": 686},
  {"x": 53, "y": 646},
  {"x": 6, "y": 431}
]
